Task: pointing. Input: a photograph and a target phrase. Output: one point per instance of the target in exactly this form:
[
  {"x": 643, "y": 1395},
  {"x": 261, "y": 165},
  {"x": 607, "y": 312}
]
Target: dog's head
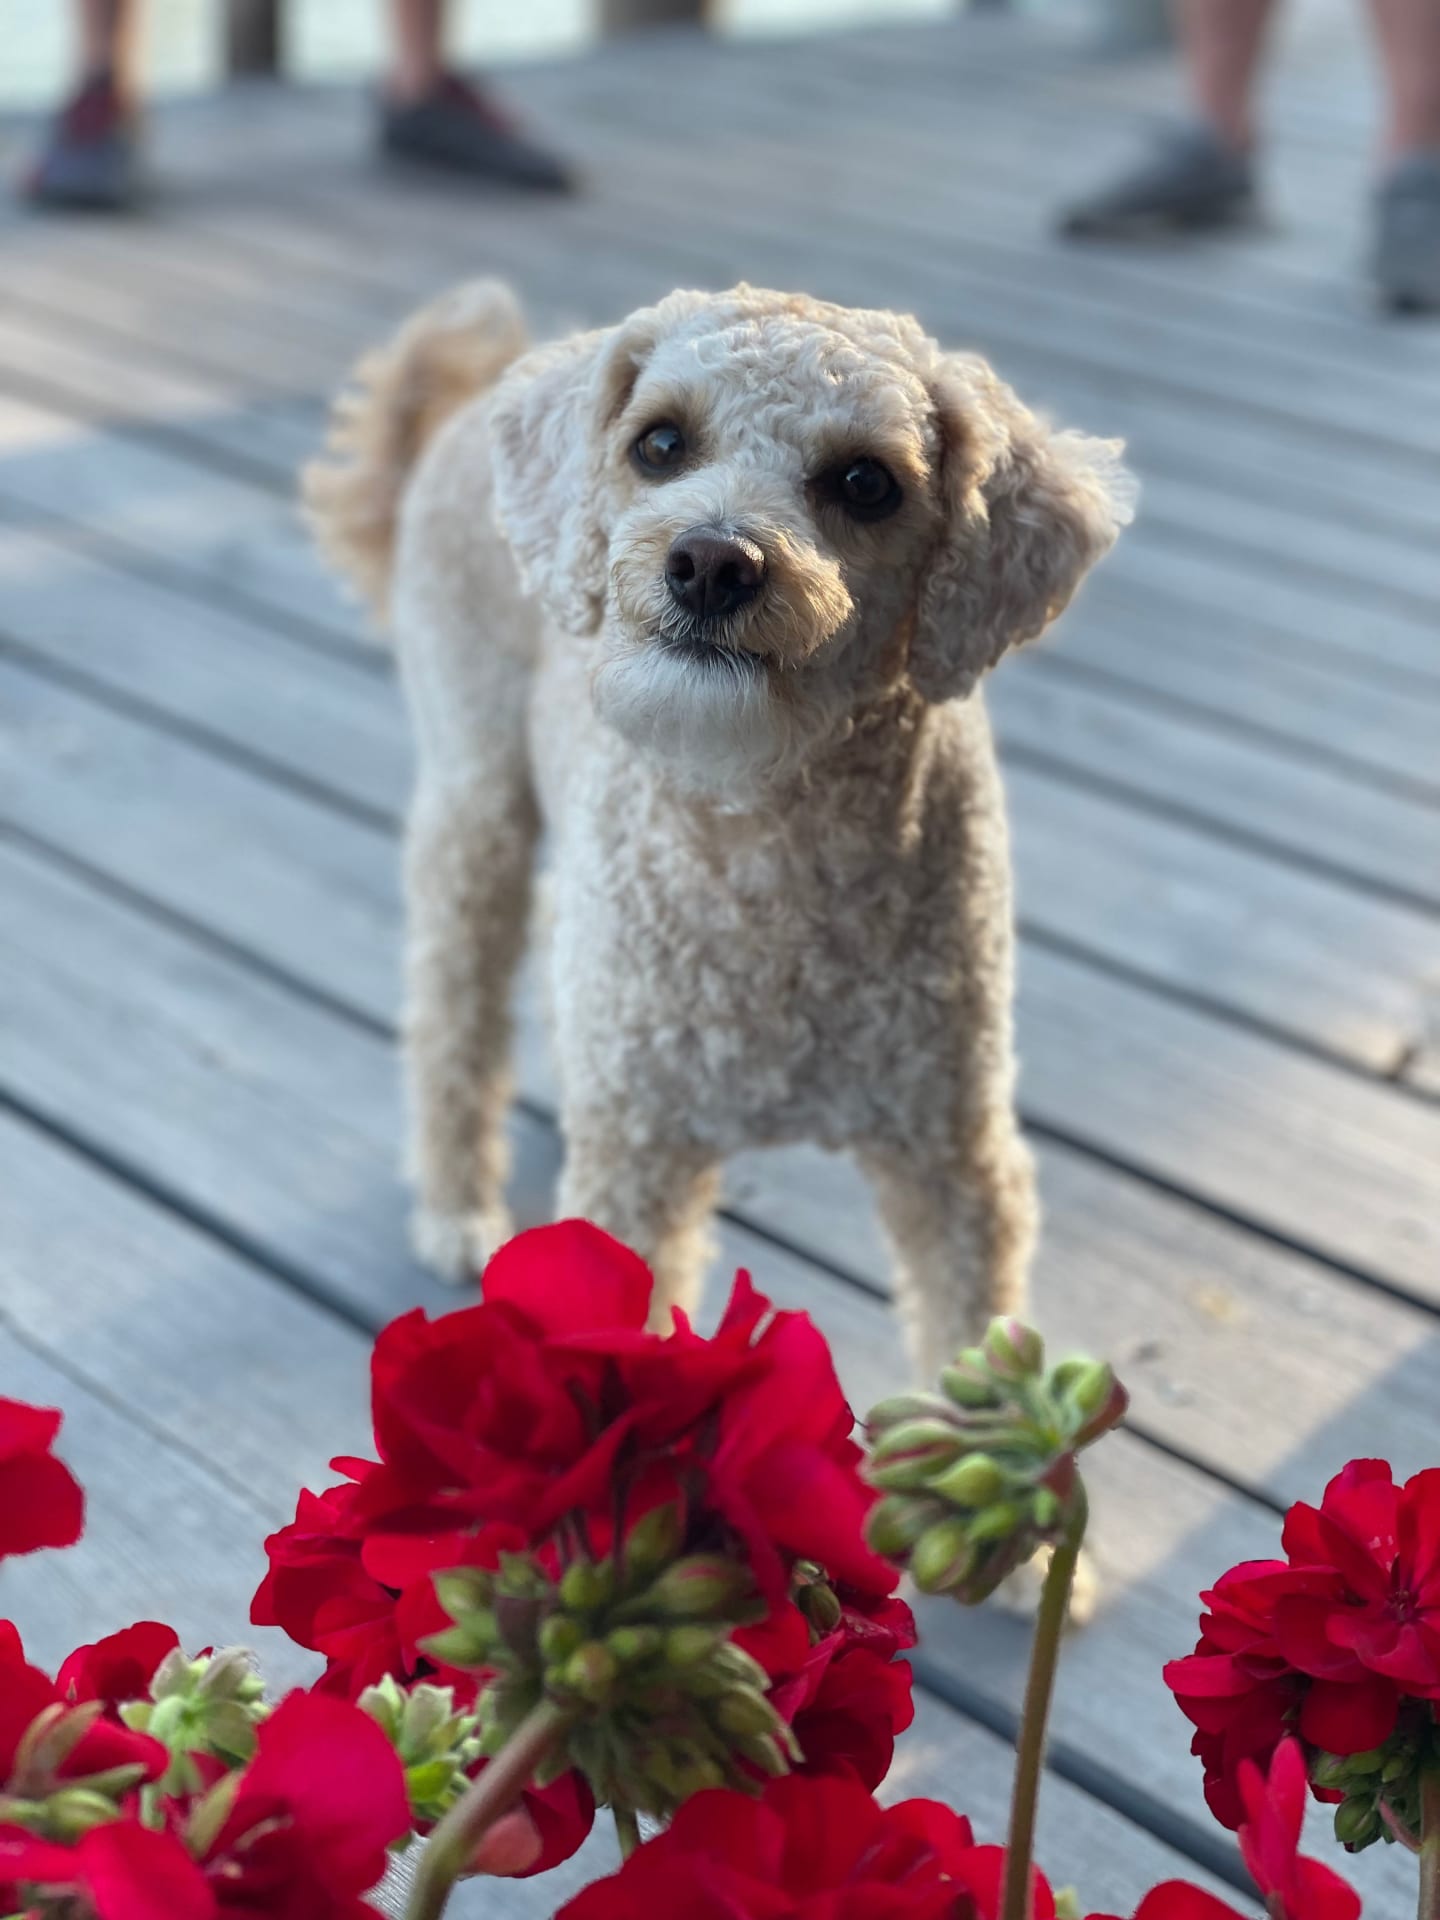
[{"x": 769, "y": 508}]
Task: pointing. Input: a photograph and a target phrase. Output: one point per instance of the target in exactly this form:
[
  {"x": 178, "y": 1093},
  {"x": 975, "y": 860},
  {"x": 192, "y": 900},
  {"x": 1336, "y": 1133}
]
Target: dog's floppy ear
[
  {"x": 550, "y": 415},
  {"x": 1027, "y": 512}
]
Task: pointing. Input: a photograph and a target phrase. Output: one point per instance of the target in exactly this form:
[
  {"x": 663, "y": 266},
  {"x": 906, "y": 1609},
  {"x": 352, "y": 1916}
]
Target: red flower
[
  {"x": 123, "y": 1871},
  {"x": 847, "y": 1696},
  {"x": 496, "y": 1424},
  {"x": 118, "y": 1668},
  {"x": 25, "y": 1693},
  {"x": 809, "y": 1850},
  {"x": 316, "y": 1810},
  {"x": 41, "y": 1504},
  {"x": 1375, "y": 1623},
  {"x": 1292, "y": 1887}
]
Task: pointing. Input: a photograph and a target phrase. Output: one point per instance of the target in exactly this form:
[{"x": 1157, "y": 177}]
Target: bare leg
[
  {"x": 1223, "y": 43},
  {"x": 468, "y": 861},
  {"x": 107, "y": 41},
  {"x": 962, "y": 1220},
  {"x": 417, "y": 35},
  {"x": 657, "y": 1196},
  {"x": 1409, "y": 35}
]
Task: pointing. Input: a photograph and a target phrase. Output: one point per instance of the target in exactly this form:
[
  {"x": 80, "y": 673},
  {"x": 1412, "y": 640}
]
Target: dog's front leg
[
  {"x": 468, "y": 855},
  {"x": 961, "y": 1214},
  {"x": 657, "y": 1193}
]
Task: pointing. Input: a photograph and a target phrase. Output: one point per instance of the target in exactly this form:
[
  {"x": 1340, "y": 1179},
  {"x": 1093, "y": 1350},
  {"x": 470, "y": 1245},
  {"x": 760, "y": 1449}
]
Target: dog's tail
[{"x": 397, "y": 398}]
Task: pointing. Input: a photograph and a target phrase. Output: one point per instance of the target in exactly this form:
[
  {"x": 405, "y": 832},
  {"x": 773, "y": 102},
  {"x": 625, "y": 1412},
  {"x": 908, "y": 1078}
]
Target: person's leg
[
  {"x": 1407, "y": 238},
  {"x": 433, "y": 117},
  {"x": 1222, "y": 43},
  {"x": 417, "y": 48},
  {"x": 1200, "y": 176},
  {"x": 89, "y": 158},
  {"x": 1408, "y": 32}
]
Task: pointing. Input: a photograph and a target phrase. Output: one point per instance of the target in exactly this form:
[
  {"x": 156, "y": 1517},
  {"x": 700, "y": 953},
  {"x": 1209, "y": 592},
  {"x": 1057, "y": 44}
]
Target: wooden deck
[{"x": 1224, "y": 777}]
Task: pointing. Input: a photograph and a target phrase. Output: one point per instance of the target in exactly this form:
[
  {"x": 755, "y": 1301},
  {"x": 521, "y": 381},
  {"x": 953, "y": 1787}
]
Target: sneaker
[
  {"x": 91, "y": 157},
  {"x": 456, "y": 127},
  {"x": 1192, "y": 180},
  {"x": 1406, "y": 259}
]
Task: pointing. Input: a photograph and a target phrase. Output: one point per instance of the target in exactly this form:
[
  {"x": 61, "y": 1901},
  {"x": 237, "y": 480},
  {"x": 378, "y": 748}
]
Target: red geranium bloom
[
  {"x": 1377, "y": 1619},
  {"x": 316, "y": 1810},
  {"x": 847, "y": 1697},
  {"x": 118, "y": 1668},
  {"x": 1292, "y": 1887},
  {"x": 809, "y": 1850},
  {"x": 305, "y": 1839},
  {"x": 41, "y": 1504},
  {"x": 551, "y": 1399},
  {"x": 25, "y": 1693}
]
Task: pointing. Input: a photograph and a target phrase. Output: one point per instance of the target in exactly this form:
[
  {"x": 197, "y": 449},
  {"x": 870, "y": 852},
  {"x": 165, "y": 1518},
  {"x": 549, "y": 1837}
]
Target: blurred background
[{"x": 1222, "y": 770}]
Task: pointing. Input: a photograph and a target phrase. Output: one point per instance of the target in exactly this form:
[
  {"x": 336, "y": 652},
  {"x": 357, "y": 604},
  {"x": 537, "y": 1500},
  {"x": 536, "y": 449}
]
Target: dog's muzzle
[{"x": 711, "y": 575}]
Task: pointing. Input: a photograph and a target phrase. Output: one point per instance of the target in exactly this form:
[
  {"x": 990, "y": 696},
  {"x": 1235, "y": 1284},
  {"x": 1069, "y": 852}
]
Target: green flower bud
[
  {"x": 744, "y": 1712},
  {"x": 941, "y": 1556},
  {"x": 1328, "y": 1770},
  {"x": 906, "y": 1457},
  {"x": 894, "y": 1524},
  {"x": 587, "y": 1585},
  {"x": 1371, "y": 1761},
  {"x": 652, "y": 1543},
  {"x": 688, "y": 1646},
  {"x": 706, "y": 1586},
  {"x": 765, "y": 1751},
  {"x": 1003, "y": 1521},
  {"x": 74, "y": 1811},
  {"x": 904, "y": 1407},
  {"x": 1357, "y": 1824},
  {"x": 591, "y": 1672},
  {"x": 1012, "y": 1350},
  {"x": 972, "y": 1482},
  {"x": 968, "y": 1382},
  {"x": 464, "y": 1592},
  {"x": 560, "y": 1635},
  {"x": 632, "y": 1646},
  {"x": 1045, "y": 1509},
  {"x": 209, "y": 1814},
  {"x": 821, "y": 1607},
  {"x": 459, "y": 1647}
]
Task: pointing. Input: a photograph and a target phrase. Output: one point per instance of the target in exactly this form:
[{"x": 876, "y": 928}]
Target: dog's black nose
[{"x": 711, "y": 574}]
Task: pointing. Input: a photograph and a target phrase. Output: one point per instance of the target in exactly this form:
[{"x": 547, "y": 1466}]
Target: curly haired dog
[{"x": 709, "y": 593}]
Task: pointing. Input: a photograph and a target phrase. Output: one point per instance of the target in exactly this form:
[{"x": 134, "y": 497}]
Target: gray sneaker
[
  {"x": 459, "y": 129},
  {"x": 1407, "y": 236},
  {"x": 1192, "y": 180}
]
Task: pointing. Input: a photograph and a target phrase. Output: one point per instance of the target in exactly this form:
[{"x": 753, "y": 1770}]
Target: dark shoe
[
  {"x": 91, "y": 158},
  {"x": 457, "y": 128},
  {"x": 1192, "y": 180},
  {"x": 1407, "y": 236}
]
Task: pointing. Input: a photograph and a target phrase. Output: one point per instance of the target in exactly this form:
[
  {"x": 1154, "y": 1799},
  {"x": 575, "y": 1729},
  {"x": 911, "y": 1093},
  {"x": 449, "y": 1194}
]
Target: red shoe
[{"x": 91, "y": 158}]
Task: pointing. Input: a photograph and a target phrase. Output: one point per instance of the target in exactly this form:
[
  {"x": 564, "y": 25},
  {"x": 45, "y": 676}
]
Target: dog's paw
[
  {"x": 1020, "y": 1591},
  {"x": 455, "y": 1246}
]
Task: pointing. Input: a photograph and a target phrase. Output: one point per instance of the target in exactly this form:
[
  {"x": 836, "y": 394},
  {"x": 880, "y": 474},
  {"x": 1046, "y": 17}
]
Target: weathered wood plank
[
  {"x": 1283, "y": 947},
  {"x": 300, "y": 1142},
  {"x": 179, "y": 655},
  {"x": 1145, "y": 1610},
  {"x": 250, "y": 1391}
]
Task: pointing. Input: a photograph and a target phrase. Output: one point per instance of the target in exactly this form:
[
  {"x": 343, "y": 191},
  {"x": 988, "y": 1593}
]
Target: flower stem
[
  {"x": 1030, "y": 1744},
  {"x": 1429, "y": 1908},
  {"x": 452, "y": 1846},
  {"x": 627, "y": 1831}
]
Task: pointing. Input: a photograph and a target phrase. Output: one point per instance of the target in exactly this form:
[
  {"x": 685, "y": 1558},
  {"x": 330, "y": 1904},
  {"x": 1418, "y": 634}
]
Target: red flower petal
[{"x": 570, "y": 1278}]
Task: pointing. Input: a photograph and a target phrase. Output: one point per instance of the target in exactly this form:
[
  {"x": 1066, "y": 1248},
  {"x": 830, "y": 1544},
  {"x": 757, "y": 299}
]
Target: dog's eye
[
  {"x": 866, "y": 489},
  {"x": 863, "y": 488},
  {"x": 659, "y": 448}
]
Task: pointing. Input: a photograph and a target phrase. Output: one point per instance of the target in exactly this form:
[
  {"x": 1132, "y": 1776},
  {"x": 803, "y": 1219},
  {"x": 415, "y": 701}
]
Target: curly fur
[{"x": 780, "y": 870}]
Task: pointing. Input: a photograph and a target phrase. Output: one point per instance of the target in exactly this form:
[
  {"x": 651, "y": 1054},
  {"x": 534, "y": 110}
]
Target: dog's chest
[{"x": 752, "y": 978}]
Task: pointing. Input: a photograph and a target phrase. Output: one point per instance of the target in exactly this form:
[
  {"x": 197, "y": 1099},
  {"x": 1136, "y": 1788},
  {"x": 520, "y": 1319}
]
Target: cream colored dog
[{"x": 709, "y": 594}]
